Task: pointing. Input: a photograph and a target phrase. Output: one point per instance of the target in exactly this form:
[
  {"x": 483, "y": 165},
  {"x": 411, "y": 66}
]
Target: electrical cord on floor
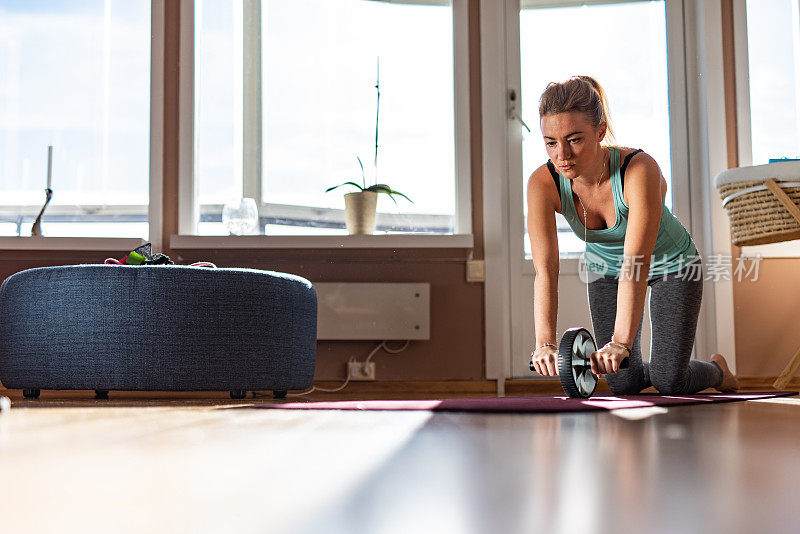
[
  {"x": 315, "y": 388},
  {"x": 352, "y": 359}
]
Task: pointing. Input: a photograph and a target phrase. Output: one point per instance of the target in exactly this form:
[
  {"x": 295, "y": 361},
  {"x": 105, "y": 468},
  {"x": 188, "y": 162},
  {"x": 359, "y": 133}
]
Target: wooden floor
[{"x": 132, "y": 464}]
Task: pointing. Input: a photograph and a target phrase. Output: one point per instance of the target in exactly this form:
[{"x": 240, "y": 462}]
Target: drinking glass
[{"x": 240, "y": 216}]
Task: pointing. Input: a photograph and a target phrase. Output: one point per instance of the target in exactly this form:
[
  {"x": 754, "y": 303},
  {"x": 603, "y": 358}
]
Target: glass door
[{"x": 625, "y": 46}]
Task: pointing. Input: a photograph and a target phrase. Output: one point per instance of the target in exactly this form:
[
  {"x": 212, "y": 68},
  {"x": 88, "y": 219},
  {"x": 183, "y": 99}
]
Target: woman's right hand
[{"x": 545, "y": 360}]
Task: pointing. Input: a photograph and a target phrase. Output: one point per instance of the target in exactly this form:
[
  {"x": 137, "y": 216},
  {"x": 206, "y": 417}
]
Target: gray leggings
[{"x": 674, "y": 307}]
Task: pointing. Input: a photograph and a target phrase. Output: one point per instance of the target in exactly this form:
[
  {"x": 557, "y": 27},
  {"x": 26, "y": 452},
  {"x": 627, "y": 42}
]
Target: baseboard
[
  {"x": 765, "y": 382},
  {"x": 377, "y": 387},
  {"x": 415, "y": 386}
]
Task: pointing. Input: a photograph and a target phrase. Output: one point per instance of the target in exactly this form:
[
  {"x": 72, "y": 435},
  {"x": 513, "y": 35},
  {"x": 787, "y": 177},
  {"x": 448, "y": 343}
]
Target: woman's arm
[
  {"x": 644, "y": 196},
  {"x": 543, "y": 202}
]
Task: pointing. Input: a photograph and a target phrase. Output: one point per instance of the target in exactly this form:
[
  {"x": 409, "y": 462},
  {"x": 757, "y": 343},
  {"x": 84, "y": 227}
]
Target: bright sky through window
[
  {"x": 319, "y": 71},
  {"x": 76, "y": 75},
  {"x": 773, "y": 40}
]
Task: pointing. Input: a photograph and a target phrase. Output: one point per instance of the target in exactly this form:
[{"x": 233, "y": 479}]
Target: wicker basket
[{"x": 759, "y": 213}]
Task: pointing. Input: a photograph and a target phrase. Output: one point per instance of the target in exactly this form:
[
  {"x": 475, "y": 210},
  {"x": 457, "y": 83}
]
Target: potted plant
[{"x": 360, "y": 206}]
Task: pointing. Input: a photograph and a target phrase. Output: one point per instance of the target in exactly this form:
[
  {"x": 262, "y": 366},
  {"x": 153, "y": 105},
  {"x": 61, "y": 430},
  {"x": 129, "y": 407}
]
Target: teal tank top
[{"x": 674, "y": 247}]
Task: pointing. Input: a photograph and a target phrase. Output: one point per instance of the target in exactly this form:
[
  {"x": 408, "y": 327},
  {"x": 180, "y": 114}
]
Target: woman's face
[{"x": 572, "y": 143}]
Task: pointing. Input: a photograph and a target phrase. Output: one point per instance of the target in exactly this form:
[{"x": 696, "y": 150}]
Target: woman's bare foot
[{"x": 729, "y": 382}]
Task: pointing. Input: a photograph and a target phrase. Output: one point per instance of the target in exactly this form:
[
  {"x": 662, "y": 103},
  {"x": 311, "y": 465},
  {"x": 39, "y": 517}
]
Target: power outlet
[{"x": 361, "y": 370}]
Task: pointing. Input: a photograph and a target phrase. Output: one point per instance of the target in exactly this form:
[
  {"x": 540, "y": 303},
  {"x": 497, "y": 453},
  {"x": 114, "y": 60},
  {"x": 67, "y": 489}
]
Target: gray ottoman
[{"x": 158, "y": 328}]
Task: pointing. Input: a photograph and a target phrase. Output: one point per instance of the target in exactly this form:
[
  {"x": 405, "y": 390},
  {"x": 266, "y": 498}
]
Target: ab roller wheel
[{"x": 574, "y": 363}]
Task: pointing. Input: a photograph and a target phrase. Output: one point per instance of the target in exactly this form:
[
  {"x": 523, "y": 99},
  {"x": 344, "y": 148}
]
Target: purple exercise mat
[{"x": 528, "y": 404}]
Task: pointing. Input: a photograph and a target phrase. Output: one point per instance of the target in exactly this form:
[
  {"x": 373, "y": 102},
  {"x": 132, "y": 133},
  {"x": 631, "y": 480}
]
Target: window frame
[
  {"x": 190, "y": 212},
  {"x": 152, "y": 213},
  {"x": 679, "y": 155},
  {"x": 694, "y": 47},
  {"x": 155, "y": 209},
  {"x": 679, "y": 183},
  {"x": 744, "y": 141}
]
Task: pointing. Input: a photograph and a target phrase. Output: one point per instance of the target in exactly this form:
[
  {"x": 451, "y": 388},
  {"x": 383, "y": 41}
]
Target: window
[
  {"x": 75, "y": 75},
  {"x": 773, "y": 49},
  {"x": 286, "y": 101},
  {"x": 633, "y": 42},
  {"x": 768, "y": 92}
]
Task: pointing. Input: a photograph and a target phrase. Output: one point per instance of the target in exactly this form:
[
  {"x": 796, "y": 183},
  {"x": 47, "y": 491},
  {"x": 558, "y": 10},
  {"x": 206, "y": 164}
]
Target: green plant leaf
[
  {"x": 383, "y": 188},
  {"x": 402, "y": 195},
  {"x": 363, "y": 178},
  {"x": 346, "y": 183},
  {"x": 380, "y": 188}
]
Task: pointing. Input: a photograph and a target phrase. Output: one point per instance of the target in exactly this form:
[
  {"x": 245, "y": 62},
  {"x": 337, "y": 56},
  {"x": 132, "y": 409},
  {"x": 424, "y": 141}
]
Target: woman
[{"x": 613, "y": 199}]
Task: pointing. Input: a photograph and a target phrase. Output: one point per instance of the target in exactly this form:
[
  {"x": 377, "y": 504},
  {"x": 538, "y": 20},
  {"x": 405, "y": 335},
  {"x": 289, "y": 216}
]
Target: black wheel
[
  {"x": 574, "y": 365},
  {"x": 238, "y": 393},
  {"x": 101, "y": 394},
  {"x": 279, "y": 394},
  {"x": 31, "y": 393}
]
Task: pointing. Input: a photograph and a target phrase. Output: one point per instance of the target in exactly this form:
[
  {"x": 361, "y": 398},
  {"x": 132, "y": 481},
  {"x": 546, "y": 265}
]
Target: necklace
[{"x": 585, "y": 227}]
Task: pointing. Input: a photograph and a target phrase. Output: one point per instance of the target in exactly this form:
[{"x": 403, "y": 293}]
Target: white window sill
[
  {"x": 392, "y": 241},
  {"x": 111, "y": 244}
]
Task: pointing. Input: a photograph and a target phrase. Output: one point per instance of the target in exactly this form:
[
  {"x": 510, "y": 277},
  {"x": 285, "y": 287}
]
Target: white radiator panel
[{"x": 373, "y": 311}]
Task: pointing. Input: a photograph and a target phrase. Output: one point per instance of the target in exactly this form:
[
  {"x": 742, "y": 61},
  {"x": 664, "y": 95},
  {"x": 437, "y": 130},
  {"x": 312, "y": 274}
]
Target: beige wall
[{"x": 766, "y": 316}]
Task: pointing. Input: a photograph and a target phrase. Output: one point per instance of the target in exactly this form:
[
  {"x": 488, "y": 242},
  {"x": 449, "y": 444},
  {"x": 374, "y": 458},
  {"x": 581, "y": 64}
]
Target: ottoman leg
[
  {"x": 279, "y": 394},
  {"x": 101, "y": 394},
  {"x": 238, "y": 393},
  {"x": 30, "y": 393}
]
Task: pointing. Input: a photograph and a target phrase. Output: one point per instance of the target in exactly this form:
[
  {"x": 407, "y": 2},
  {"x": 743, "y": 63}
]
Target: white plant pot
[{"x": 359, "y": 211}]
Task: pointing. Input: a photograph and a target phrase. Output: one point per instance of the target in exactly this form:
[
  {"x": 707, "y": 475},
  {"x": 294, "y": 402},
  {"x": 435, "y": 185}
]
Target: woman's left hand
[{"x": 607, "y": 360}]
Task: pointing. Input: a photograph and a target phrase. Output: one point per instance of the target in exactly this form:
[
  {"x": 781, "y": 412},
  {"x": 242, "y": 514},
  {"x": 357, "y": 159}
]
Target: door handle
[{"x": 512, "y": 108}]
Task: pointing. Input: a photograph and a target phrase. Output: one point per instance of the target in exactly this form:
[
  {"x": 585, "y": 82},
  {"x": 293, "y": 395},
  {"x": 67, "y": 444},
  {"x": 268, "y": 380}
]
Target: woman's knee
[{"x": 669, "y": 385}]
